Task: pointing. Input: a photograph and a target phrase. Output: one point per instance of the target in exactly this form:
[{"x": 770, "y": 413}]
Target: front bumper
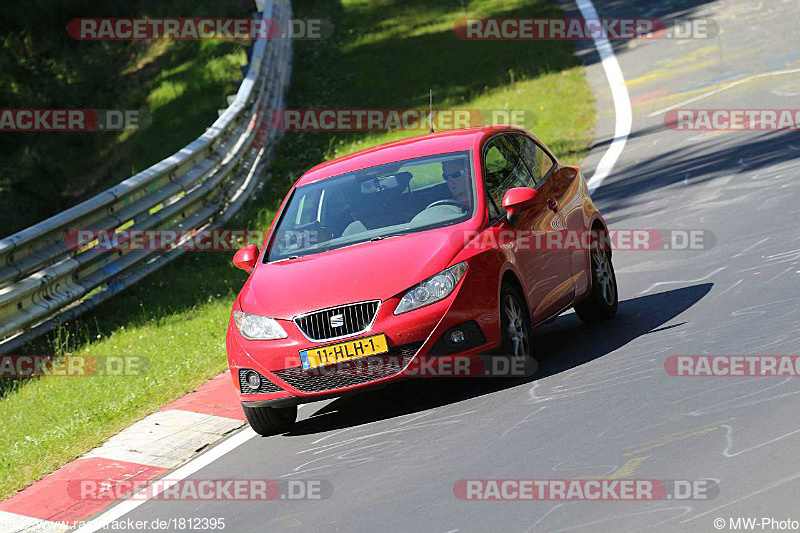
[{"x": 411, "y": 337}]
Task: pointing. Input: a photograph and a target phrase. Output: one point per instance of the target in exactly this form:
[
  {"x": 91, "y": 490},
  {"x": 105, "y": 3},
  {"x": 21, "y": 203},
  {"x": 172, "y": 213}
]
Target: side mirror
[
  {"x": 245, "y": 258},
  {"x": 517, "y": 200}
]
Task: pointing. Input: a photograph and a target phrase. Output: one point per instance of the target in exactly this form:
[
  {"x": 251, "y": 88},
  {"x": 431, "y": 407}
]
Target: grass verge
[
  {"x": 181, "y": 84},
  {"x": 384, "y": 54}
]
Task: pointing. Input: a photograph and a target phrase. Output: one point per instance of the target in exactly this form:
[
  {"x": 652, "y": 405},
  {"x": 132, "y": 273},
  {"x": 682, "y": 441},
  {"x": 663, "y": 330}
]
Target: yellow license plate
[{"x": 343, "y": 351}]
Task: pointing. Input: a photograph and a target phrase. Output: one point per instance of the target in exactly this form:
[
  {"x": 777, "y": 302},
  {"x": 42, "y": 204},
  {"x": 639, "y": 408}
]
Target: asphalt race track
[{"x": 602, "y": 404}]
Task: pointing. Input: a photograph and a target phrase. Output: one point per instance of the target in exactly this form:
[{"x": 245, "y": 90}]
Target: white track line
[
  {"x": 622, "y": 102},
  {"x": 125, "y": 507},
  {"x": 118, "y": 511},
  {"x": 723, "y": 88}
]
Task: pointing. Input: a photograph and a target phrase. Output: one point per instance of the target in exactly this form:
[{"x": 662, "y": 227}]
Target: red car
[{"x": 402, "y": 252}]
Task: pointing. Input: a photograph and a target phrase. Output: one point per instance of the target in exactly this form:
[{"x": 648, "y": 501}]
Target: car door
[
  {"x": 559, "y": 183},
  {"x": 508, "y": 162}
]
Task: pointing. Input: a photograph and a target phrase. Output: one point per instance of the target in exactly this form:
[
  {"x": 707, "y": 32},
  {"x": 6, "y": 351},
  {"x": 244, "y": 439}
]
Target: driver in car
[{"x": 455, "y": 175}]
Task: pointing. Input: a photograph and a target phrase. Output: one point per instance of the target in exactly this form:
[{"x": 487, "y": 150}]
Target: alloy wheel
[
  {"x": 603, "y": 276},
  {"x": 516, "y": 331}
]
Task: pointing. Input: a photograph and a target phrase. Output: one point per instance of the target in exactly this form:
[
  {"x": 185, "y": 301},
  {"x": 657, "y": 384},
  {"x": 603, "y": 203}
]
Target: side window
[
  {"x": 536, "y": 159},
  {"x": 495, "y": 159},
  {"x": 494, "y": 212},
  {"x": 504, "y": 169}
]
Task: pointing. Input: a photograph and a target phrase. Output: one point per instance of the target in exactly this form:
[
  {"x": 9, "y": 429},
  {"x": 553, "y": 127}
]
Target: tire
[
  {"x": 515, "y": 328},
  {"x": 268, "y": 421},
  {"x": 602, "y": 302}
]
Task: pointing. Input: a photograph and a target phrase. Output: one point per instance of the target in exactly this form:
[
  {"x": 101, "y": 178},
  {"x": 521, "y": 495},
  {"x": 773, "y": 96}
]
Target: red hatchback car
[{"x": 373, "y": 258}]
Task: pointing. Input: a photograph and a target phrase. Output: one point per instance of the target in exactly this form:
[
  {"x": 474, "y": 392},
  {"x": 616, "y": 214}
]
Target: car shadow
[{"x": 565, "y": 344}]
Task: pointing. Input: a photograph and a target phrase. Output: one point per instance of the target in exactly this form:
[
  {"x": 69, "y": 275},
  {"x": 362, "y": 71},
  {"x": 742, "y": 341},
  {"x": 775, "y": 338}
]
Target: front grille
[
  {"x": 348, "y": 373},
  {"x": 338, "y": 322},
  {"x": 266, "y": 385}
]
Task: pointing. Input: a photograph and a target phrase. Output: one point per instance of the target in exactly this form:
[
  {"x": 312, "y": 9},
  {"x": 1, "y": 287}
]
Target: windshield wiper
[
  {"x": 288, "y": 258},
  {"x": 381, "y": 237}
]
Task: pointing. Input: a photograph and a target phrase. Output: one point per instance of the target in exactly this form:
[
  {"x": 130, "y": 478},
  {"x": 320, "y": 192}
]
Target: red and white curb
[{"x": 146, "y": 450}]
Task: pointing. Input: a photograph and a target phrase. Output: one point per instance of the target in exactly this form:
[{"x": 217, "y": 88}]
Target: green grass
[
  {"x": 181, "y": 84},
  {"x": 384, "y": 54},
  {"x": 182, "y": 87}
]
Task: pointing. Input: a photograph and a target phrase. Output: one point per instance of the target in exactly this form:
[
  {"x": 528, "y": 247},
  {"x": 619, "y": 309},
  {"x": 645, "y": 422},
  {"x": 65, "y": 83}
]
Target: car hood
[{"x": 366, "y": 271}]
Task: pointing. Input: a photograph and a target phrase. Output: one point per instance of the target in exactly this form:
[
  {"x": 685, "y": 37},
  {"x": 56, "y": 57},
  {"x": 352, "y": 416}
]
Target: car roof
[{"x": 424, "y": 145}]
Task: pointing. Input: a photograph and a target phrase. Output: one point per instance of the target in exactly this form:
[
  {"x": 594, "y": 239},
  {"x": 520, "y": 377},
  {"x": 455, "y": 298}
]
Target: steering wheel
[{"x": 447, "y": 201}]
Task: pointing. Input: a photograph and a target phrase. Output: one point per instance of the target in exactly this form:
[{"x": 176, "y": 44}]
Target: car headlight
[
  {"x": 431, "y": 290},
  {"x": 258, "y": 328}
]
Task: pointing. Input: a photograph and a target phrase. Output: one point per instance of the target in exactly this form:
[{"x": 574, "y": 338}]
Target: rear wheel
[
  {"x": 515, "y": 327},
  {"x": 602, "y": 302},
  {"x": 270, "y": 420}
]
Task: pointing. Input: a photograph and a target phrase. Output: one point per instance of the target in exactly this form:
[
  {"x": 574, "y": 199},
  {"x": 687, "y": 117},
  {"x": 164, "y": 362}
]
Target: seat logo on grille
[{"x": 337, "y": 321}]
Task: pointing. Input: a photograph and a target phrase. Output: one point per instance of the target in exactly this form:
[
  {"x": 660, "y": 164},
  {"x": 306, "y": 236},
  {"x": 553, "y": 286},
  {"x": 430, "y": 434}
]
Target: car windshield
[{"x": 376, "y": 203}]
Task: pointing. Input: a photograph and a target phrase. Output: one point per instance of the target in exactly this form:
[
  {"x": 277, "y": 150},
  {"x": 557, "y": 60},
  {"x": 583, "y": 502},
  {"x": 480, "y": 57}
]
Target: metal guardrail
[{"x": 43, "y": 283}]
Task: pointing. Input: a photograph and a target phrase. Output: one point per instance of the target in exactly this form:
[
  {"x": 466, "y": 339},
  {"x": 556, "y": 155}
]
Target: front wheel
[
  {"x": 270, "y": 420},
  {"x": 602, "y": 302}
]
